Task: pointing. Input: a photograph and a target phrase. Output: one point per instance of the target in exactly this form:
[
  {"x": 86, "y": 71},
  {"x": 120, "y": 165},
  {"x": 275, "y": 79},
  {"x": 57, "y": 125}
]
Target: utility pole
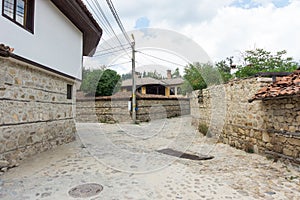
[{"x": 133, "y": 82}]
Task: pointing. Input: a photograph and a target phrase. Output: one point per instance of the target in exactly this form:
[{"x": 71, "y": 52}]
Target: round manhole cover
[{"x": 85, "y": 190}]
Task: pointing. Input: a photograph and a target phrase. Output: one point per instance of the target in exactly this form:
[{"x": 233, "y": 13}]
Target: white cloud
[
  {"x": 220, "y": 27},
  {"x": 175, "y": 13},
  {"x": 235, "y": 29}
]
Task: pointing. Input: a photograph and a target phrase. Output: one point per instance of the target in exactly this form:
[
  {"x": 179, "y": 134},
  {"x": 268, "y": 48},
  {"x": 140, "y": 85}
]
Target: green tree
[
  {"x": 176, "y": 73},
  {"x": 108, "y": 83},
  {"x": 154, "y": 74},
  {"x": 198, "y": 76},
  {"x": 90, "y": 80},
  {"x": 260, "y": 60},
  {"x": 100, "y": 82},
  {"x": 224, "y": 68},
  {"x": 193, "y": 78},
  {"x": 126, "y": 76}
]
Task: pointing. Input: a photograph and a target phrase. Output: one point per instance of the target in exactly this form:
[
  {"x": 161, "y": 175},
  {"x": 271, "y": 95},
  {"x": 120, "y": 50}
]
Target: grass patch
[
  {"x": 203, "y": 128},
  {"x": 249, "y": 148}
]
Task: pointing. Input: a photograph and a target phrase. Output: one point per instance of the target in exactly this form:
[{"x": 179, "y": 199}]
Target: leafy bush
[
  {"x": 100, "y": 82},
  {"x": 260, "y": 60},
  {"x": 108, "y": 83},
  {"x": 203, "y": 128},
  {"x": 198, "y": 76}
]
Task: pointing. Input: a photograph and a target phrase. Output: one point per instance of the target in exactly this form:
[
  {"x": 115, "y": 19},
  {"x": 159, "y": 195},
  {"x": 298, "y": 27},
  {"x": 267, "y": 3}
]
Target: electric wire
[
  {"x": 108, "y": 49},
  {"x": 103, "y": 25},
  {"x": 112, "y": 52},
  {"x": 102, "y": 19},
  {"x": 117, "y": 18},
  {"x": 107, "y": 21},
  {"x": 161, "y": 59},
  {"x": 155, "y": 63},
  {"x": 119, "y": 64},
  {"x": 107, "y": 44}
]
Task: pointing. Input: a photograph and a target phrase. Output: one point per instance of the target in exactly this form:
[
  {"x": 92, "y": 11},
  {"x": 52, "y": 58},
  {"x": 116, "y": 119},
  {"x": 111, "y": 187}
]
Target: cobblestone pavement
[{"x": 123, "y": 158}]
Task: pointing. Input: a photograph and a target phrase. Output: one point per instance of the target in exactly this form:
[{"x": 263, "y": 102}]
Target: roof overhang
[{"x": 79, "y": 15}]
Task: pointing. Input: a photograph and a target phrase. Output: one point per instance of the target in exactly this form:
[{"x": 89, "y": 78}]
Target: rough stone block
[
  {"x": 265, "y": 137},
  {"x": 287, "y": 152},
  {"x": 292, "y": 129},
  {"x": 289, "y": 106},
  {"x": 269, "y": 146},
  {"x": 27, "y": 104},
  {"x": 294, "y": 141},
  {"x": 278, "y": 148}
]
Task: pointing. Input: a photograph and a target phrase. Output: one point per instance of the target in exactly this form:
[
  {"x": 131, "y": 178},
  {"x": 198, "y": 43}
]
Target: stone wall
[
  {"x": 107, "y": 109},
  {"x": 35, "y": 113},
  {"x": 266, "y": 127},
  {"x": 95, "y": 110}
]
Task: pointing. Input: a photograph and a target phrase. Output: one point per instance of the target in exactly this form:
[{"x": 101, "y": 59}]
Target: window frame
[
  {"x": 69, "y": 91},
  {"x": 30, "y": 6}
]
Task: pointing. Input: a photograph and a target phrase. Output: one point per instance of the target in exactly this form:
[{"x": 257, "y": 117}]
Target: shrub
[{"x": 203, "y": 128}]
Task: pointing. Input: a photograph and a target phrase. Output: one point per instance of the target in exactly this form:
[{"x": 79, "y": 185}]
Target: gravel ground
[{"x": 124, "y": 160}]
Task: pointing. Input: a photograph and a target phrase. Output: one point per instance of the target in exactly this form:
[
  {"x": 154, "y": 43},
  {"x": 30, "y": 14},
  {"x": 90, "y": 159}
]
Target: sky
[{"x": 223, "y": 28}]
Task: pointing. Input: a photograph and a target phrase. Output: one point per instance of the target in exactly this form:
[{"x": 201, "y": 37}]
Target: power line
[
  {"x": 107, "y": 21},
  {"x": 104, "y": 21},
  {"x": 109, "y": 49},
  {"x": 119, "y": 64},
  {"x": 99, "y": 17},
  {"x": 117, "y": 18},
  {"x": 151, "y": 60},
  {"x": 113, "y": 52},
  {"x": 161, "y": 59},
  {"x": 106, "y": 43}
]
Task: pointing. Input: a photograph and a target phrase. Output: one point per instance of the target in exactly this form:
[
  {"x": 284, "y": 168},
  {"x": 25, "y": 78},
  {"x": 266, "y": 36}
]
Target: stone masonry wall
[
  {"x": 35, "y": 113},
  {"x": 151, "y": 109},
  {"x": 266, "y": 127},
  {"x": 102, "y": 110},
  {"x": 116, "y": 109}
]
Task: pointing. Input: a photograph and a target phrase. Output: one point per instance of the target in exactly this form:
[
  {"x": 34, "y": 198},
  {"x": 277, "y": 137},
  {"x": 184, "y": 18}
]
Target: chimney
[
  {"x": 169, "y": 75},
  {"x": 138, "y": 75}
]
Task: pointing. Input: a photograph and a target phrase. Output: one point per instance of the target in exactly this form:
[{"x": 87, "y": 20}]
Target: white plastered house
[{"x": 42, "y": 47}]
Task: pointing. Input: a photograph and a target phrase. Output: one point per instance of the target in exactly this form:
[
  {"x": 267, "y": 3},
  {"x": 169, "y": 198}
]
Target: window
[
  {"x": 19, "y": 11},
  {"x": 172, "y": 91},
  {"x": 69, "y": 91}
]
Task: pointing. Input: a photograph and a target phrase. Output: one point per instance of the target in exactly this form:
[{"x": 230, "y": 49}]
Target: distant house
[
  {"x": 174, "y": 85},
  {"x": 148, "y": 85},
  {"x": 145, "y": 85},
  {"x": 42, "y": 47}
]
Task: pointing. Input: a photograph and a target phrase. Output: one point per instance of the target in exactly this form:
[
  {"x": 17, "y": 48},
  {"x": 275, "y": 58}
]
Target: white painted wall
[{"x": 56, "y": 42}]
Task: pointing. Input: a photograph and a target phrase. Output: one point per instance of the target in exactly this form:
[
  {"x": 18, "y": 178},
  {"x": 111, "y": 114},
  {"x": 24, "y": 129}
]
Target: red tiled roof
[{"x": 283, "y": 87}]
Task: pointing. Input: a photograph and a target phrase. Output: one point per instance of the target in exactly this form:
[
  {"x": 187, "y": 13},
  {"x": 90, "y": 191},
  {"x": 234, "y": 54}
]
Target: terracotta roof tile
[{"x": 283, "y": 87}]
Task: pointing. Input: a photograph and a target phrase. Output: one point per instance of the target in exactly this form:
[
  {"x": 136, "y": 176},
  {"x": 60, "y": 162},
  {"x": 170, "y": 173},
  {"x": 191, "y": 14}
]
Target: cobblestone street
[{"x": 124, "y": 159}]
